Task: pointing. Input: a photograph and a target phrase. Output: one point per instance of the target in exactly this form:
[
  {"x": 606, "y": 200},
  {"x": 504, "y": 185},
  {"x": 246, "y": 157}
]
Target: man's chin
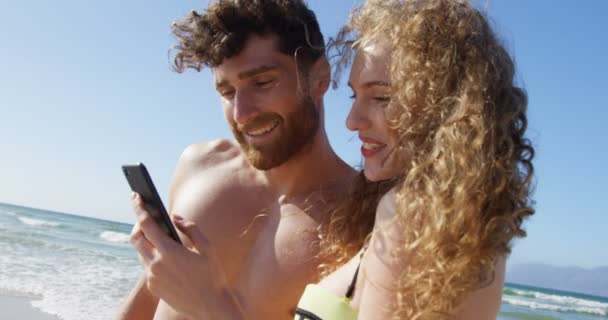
[{"x": 264, "y": 160}]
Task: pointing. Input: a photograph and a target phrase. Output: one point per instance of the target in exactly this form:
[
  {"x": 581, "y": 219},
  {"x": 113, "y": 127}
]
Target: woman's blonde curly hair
[{"x": 460, "y": 120}]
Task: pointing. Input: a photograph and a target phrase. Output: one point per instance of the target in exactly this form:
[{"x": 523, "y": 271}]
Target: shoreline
[{"x": 19, "y": 307}]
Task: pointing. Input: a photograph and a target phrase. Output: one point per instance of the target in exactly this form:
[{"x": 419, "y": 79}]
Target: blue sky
[{"x": 86, "y": 86}]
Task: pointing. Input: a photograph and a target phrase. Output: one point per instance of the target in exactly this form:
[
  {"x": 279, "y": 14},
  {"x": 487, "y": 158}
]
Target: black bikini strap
[
  {"x": 351, "y": 288},
  {"x": 350, "y": 292}
]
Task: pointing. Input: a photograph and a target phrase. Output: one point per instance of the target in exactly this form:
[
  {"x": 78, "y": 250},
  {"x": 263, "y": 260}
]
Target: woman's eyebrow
[
  {"x": 376, "y": 83},
  {"x": 372, "y": 83}
]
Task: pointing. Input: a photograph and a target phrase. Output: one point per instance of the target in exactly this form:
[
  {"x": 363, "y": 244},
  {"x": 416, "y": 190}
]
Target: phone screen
[{"x": 140, "y": 181}]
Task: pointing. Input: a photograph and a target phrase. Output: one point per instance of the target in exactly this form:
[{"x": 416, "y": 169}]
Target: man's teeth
[
  {"x": 372, "y": 146},
  {"x": 264, "y": 129}
]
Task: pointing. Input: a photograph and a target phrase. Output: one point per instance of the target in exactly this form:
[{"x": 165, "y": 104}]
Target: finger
[
  {"x": 135, "y": 230},
  {"x": 194, "y": 234},
  {"x": 150, "y": 227},
  {"x": 145, "y": 249}
]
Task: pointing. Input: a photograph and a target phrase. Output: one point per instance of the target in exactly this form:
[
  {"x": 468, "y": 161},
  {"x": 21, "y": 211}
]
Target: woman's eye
[
  {"x": 382, "y": 99},
  {"x": 353, "y": 94}
]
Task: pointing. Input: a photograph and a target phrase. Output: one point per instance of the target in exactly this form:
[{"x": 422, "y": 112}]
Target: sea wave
[
  {"x": 568, "y": 300},
  {"x": 511, "y": 315},
  {"x": 8, "y": 213},
  {"x": 552, "y": 307},
  {"x": 73, "y": 287},
  {"x": 113, "y": 236},
  {"x": 38, "y": 222}
]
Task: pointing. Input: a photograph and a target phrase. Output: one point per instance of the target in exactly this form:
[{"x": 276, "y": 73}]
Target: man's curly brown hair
[{"x": 223, "y": 30}]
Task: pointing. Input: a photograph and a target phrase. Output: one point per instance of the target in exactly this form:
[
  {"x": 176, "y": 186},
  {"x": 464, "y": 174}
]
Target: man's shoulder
[
  {"x": 206, "y": 155},
  {"x": 219, "y": 158}
]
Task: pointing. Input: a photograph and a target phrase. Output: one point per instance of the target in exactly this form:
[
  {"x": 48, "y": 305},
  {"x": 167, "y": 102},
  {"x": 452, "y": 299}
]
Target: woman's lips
[{"x": 371, "y": 147}]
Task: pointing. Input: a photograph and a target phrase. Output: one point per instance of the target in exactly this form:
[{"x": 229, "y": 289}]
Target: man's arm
[
  {"x": 190, "y": 279},
  {"x": 140, "y": 304}
]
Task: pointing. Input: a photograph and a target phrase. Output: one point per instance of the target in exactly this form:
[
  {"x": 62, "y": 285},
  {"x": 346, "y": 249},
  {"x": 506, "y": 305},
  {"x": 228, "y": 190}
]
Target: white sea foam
[
  {"x": 552, "y": 307},
  {"x": 38, "y": 222},
  {"x": 68, "y": 269},
  {"x": 113, "y": 236},
  {"x": 8, "y": 213},
  {"x": 72, "y": 287},
  {"x": 566, "y": 300}
]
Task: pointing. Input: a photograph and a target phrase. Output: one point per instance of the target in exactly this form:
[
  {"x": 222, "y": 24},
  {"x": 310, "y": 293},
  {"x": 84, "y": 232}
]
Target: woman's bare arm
[{"x": 377, "y": 286}]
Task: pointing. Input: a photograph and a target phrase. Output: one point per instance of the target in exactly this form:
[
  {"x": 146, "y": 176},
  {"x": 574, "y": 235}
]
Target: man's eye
[
  {"x": 263, "y": 83},
  {"x": 227, "y": 93}
]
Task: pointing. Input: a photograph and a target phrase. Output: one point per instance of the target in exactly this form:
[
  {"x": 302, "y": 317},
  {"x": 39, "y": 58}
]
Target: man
[{"x": 257, "y": 201}]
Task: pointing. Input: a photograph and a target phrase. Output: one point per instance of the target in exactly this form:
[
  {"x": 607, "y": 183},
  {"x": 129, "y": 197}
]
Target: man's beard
[{"x": 298, "y": 129}]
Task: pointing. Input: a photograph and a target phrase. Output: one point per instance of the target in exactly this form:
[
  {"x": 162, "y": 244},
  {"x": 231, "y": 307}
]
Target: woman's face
[{"x": 370, "y": 83}]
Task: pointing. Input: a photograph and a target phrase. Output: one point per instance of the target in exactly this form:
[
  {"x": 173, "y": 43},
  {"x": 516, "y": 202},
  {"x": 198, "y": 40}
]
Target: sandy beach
[{"x": 21, "y": 308}]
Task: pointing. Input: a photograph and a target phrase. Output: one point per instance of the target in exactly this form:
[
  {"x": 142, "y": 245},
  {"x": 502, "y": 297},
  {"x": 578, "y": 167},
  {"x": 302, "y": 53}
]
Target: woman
[
  {"x": 442, "y": 127},
  {"x": 436, "y": 109}
]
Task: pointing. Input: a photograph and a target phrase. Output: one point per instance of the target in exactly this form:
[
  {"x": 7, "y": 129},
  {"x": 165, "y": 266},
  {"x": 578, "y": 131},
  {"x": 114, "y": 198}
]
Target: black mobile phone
[{"x": 140, "y": 181}]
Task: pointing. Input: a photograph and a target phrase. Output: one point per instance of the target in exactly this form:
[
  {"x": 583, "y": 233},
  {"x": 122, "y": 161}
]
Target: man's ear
[{"x": 320, "y": 77}]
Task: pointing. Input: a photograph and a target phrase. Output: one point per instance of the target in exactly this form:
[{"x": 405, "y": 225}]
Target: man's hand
[{"x": 190, "y": 279}]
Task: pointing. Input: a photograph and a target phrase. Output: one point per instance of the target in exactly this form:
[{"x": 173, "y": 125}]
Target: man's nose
[{"x": 245, "y": 108}]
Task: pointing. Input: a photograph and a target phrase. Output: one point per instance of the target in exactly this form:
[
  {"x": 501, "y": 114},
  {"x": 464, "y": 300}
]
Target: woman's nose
[{"x": 358, "y": 119}]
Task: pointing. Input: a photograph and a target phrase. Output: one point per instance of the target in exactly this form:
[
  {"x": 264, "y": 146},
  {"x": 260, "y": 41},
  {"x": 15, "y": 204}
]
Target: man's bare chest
[{"x": 249, "y": 228}]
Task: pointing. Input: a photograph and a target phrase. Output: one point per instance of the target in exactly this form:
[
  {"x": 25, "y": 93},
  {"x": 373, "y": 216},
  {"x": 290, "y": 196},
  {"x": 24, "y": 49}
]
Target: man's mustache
[{"x": 258, "y": 122}]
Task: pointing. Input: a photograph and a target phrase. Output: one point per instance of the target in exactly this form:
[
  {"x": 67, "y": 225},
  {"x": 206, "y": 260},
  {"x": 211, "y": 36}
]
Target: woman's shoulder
[
  {"x": 386, "y": 211},
  {"x": 388, "y": 231}
]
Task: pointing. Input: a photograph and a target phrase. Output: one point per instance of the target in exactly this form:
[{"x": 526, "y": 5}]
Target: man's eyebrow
[
  {"x": 220, "y": 84},
  {"x": 257, "y": 70},
  {"x": 248, "y": 74}
]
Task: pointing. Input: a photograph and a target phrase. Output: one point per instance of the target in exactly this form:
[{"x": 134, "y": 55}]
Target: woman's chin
[
  {"x": 375, "y": 175},
  {"x": 375, "y": 172}
]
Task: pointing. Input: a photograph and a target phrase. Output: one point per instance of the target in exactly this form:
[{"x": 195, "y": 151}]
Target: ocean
[
  {"x": 82, "y": 268},
  {"x": 74, "y": 267}
]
